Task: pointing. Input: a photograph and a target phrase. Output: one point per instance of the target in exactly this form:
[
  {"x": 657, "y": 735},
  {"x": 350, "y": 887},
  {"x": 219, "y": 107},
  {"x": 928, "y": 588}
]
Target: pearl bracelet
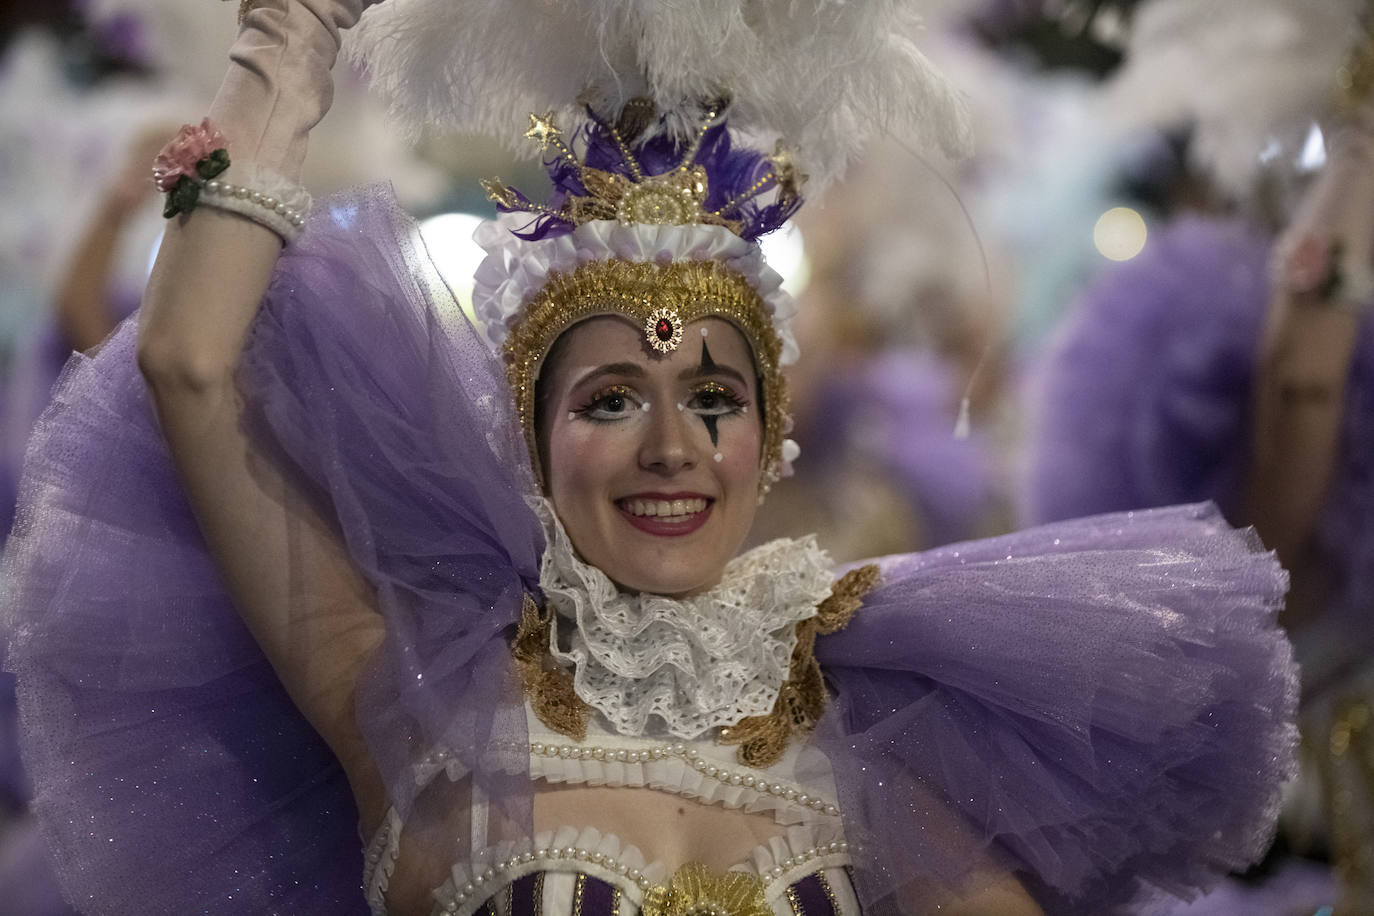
[
  {"x": 271, "y": 200},
  {"x": 193, "y": 168}
]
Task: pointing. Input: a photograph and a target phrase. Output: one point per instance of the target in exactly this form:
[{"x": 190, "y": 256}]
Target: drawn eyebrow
[
  {"x": 696, "y": 372},
  {"x": 627, "y": 370}
]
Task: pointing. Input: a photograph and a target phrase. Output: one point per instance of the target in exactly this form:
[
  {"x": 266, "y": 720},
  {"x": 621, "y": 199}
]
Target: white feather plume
[
  {"x": 1244, "y": 73},
  {"x": 827, "y": 75}
]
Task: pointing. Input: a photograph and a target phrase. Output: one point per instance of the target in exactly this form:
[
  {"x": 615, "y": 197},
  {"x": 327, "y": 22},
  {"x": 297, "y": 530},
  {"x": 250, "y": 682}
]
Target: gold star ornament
[
  {"x": 785, "y": 172},
  {"x": 543, "y": 131}
]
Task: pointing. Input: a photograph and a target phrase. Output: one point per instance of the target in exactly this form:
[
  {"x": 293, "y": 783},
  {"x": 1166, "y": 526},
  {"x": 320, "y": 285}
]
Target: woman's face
[{"x": 653, "y": 459}]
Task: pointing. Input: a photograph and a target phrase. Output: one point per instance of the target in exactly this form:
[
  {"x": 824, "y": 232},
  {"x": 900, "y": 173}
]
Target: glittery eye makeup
[
  {"x": 714, "y": 398},
  {"x": 710, "y": 401},
  {"x": 609, "y": 405}
]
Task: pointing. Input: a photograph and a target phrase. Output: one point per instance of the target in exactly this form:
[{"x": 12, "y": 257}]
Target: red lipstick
[{"x": 665, "y": 525}]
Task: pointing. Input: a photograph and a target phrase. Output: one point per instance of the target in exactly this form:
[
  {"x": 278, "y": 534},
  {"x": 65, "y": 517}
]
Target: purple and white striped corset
[
  {"x": 582, "y": 872},
  {"x": 803, "y": 869},
  {"x": 534, "y": 895}
]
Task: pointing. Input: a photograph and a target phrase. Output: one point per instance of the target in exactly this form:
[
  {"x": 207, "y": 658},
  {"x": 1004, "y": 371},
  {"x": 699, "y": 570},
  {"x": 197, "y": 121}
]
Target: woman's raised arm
[{"x": 292, "y": 581}]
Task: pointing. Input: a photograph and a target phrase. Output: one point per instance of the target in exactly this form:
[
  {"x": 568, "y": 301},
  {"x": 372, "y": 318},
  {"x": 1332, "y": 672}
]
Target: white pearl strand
[
  {"x": 696, "y": 761},
  {"x": 550, "y": 854},
  {"x": 279, "y": 208}
]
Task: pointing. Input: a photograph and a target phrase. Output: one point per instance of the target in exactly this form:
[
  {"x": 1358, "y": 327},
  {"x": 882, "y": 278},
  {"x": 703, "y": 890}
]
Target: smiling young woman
[
  {"x": 500, "y": 578},
  {"x": 654, "y": 461}
]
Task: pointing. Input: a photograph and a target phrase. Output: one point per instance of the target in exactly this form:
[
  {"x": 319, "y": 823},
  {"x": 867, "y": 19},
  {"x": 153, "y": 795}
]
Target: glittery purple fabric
[
  {"x": 1105, "y": 700},
  {"x": 27, "y": 882},
  {"x": 1102, "y": 706}
]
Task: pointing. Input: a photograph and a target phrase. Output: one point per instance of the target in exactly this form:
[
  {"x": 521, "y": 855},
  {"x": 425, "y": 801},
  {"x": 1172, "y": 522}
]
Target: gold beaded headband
[{"x": 662, "y": 299}]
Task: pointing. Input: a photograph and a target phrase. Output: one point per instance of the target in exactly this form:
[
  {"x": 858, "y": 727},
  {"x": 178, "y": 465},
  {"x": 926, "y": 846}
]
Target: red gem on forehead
[{"x": 664, "y": 329}]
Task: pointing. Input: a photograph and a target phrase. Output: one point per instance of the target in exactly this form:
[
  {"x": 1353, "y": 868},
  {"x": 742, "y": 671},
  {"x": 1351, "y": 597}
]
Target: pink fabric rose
[
  {"x": 180, "y": 155},
  {"x": 1308, "y": 264}
]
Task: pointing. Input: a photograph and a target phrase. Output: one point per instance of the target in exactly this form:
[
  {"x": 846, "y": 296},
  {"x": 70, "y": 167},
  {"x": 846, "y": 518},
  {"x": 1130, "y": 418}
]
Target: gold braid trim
[
  {"x": 550, "y": 689},
  {"x": 763, "y": 739}
]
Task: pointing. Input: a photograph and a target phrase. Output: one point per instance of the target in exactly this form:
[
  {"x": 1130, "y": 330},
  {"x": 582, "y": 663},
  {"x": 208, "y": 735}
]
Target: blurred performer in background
[{"x": 1216, "y": 366}]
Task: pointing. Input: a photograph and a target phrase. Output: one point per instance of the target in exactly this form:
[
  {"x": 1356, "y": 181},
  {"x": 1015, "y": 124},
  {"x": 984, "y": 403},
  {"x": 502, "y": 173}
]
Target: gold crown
[{"x": 677, "y": 197}]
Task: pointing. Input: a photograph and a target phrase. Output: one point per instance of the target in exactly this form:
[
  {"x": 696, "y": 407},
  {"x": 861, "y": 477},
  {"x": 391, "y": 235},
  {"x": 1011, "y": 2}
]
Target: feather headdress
[{"x": 825, "y": 74}]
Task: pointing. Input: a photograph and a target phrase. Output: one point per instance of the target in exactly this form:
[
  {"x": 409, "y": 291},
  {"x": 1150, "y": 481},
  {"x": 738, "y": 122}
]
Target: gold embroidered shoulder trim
[
  {"x": 763, "y": 739},
  {"x": 549, "y": 689}
]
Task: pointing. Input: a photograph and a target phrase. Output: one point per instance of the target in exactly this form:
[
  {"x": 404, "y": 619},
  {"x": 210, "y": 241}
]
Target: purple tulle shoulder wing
[
  {"x": 172, "y": 774},
  {"x": 1105, "y": 704}
]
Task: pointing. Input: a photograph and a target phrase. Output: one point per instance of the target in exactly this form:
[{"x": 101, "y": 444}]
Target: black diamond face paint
[
  {"x": 707, "y": 363},
  {"x": 711, "y": 427},
  {"x": 708, "y": 366}
]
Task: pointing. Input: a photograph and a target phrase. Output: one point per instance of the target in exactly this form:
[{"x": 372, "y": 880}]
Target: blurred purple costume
[
  {"x": 1104, "y": 705},
  {"x": 896, "y": 411},
  {"x": 1146, "y": 399}
]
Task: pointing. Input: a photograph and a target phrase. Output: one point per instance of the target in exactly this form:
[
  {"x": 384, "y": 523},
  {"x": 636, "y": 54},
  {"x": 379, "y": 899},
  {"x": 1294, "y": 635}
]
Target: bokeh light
[{"x": 1120, "y": 234}]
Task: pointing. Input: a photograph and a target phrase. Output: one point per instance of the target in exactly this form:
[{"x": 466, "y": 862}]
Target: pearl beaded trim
[
  {"x": 568, "y": 858},
  {"x": 263, "y": 196},
  {"x": 696, "y": 761},
  {"x": 261, "y": 208},
  {"x": 380, "y": 860}
]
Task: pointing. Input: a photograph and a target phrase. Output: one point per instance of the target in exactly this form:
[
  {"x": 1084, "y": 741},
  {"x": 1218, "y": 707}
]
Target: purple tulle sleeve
[
  {"x": 172, "y": 774},
  {"x": 364, "y": 375},
  {"x": 160, "y": 745},
  {"x": 1105, "y": 702}
]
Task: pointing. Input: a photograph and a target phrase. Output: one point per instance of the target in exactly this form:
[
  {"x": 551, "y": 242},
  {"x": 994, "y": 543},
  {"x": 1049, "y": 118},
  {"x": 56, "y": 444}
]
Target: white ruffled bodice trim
[{"x": 693, "y": 663}]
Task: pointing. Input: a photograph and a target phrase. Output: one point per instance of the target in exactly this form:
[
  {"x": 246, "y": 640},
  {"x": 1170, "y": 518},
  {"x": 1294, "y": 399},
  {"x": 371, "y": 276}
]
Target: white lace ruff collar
[{"x": 694, "y": 663}]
